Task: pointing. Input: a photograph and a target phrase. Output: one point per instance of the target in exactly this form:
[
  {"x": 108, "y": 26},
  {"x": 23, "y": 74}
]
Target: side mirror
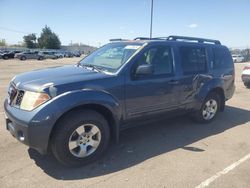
[{"x": 144, "y": 70}]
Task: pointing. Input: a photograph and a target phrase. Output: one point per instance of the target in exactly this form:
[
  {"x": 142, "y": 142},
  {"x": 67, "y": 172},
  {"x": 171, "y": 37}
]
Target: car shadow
[{"x": 141, "y": 143}]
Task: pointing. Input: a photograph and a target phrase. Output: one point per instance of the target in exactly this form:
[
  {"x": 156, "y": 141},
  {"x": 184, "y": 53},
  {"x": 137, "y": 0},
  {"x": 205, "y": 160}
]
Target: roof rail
[
  {"x": 142, "y": 38},
  {"x": 200, "y": 40},
  {"x": 116, "y": 40}
]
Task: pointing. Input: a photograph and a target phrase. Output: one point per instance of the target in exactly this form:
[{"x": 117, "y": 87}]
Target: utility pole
[{"x": 151, "y": 22}]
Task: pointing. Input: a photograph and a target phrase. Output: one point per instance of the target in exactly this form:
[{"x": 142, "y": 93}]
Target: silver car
[
  {"x": 48, "y": 55},
  {"x": 28, "y": 55}
]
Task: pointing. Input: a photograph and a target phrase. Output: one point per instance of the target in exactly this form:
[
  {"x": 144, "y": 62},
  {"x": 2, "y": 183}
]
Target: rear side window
[
  {"x": 222, "y": 59},
  {"x": 193, "y": 60}
]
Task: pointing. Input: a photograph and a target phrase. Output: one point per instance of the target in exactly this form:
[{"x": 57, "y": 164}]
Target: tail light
[{"x": 247, "y": 67}]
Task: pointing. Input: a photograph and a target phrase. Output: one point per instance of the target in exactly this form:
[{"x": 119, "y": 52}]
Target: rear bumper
[
  {"x": 30, "y": 128},
  {"x": 245, "y": 78},
  {"x": 229, "y": 92}
]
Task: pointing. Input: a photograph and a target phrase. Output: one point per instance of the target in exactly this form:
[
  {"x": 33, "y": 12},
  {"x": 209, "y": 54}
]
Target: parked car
[
  {"x": 68, "y": 54},
  {"x": 77, "y": 54},
  {"x": 246, "y": 76},
  {"x": 77, "y": 109},
  {"x": 59, "y": 54},
  {"x": 48, "y": 55},
  {"x": 8, "y": 55},
  {"x": 237, "y": 58},
  {"x": 29, "y": 55}
]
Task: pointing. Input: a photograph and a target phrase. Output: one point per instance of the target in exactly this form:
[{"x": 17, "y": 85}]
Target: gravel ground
[{"x": 172, "y": 153}]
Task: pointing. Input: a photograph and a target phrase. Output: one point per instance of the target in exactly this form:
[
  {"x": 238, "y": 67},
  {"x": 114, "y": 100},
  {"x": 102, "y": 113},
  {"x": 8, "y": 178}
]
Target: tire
[
  {"x": 209, "y": 109},
  {"x": 40, "y": 58},
  {"x": 23, "y": 58},
  {"x": 5, "y": 57},
  {"x": 83, "y": 151},
  {"x": 247, "y": 85}
]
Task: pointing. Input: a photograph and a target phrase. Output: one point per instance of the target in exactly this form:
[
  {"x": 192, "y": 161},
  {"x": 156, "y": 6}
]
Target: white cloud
[{"x": 194, "y": 25}]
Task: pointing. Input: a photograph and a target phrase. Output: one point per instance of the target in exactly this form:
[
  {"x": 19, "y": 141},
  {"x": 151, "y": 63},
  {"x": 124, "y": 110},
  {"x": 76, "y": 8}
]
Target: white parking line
[{"x": 225, "y": 171}]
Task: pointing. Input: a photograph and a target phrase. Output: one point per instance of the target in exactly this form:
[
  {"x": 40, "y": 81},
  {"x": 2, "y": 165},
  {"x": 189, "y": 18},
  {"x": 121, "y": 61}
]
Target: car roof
[{"x": 178, "y": 43}]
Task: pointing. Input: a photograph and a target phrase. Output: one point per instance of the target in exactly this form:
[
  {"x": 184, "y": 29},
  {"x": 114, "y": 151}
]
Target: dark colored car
[
  {"x": 77, "y": 54},
  {"x": 68, "y": 54},
  {"x": 76, "y": 110},
  {"x": 9, "y": 54}
]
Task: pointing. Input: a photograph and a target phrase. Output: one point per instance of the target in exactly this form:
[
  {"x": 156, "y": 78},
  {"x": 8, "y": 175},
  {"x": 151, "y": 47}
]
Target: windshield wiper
[{"x": 92, "y": 66}]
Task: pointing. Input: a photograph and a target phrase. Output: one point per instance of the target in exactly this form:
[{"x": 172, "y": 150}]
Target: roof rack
[
  {"x": 200, "y": 40},
  {"x": 116, "y": 40},
  {"x": 142, "y": 38},
  {"x": 174, "y": 38}
]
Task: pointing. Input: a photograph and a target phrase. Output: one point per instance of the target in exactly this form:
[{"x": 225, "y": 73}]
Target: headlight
[{"x": 31, "y": 100}]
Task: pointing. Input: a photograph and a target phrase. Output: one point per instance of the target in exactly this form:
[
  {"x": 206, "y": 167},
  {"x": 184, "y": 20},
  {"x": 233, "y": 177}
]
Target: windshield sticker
[{"x": 132, "y": 47}]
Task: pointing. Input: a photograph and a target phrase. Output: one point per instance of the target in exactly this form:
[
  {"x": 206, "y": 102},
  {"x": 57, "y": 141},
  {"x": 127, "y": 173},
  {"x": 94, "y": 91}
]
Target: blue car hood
[{"x": 39, "y": 80}]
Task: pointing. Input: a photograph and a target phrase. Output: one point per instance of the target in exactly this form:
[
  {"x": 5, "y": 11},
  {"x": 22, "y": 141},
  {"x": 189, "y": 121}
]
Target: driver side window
[{"x": 160, "y": 58}]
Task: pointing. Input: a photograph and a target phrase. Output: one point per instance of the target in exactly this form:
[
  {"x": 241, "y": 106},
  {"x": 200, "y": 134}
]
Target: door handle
[{"x": 173, "y": 82}]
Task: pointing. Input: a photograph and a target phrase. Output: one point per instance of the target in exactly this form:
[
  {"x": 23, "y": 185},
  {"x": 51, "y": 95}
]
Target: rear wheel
[
  {"x": 80, "y": 138},
  {"x": 40, "y": 58},
  {"x": 247, "y": 84},
  {"x": 209, "y": 109},
  {"x": 23, "y": 58}
]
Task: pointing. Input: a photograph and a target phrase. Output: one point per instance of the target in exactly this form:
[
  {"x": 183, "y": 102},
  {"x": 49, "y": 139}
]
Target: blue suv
[{"x": 75, "y": 110}]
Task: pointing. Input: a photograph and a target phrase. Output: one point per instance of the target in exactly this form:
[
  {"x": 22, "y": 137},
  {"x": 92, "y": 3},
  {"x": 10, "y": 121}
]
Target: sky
[{"x": 94, "y": 22}]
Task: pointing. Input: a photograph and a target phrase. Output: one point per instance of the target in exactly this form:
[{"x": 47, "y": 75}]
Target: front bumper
[{"x": 30, "y": 128}]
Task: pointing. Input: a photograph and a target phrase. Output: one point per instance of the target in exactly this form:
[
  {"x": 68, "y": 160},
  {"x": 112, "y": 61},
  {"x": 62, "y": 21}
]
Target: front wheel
[
  {"x": 209, "y": 109},
  {"x": 81, "y": 137},
  {"x": 5, "y": 57}
]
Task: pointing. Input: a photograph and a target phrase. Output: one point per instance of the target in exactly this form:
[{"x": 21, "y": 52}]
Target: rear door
[
  {"x": 223, "y": 68},
  {"x": 194, "y": 68}
]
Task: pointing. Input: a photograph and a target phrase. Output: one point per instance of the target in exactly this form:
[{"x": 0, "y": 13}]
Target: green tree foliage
[
  {"x": 30, "y": 40},
  {"x": 49, "y": 39},
  {"x": 2, "y": 42}
]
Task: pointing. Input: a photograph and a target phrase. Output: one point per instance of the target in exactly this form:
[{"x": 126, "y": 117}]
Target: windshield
[{"x": 111, "y": 56}]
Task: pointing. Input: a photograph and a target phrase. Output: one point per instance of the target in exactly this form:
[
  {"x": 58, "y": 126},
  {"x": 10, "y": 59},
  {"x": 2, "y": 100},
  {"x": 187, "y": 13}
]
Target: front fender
[
  {"x": 48, "y": 114},
  {"x": 72, "y": 99}
]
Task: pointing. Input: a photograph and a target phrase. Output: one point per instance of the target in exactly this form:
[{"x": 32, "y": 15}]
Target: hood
[{"x": 38, "y": 80}]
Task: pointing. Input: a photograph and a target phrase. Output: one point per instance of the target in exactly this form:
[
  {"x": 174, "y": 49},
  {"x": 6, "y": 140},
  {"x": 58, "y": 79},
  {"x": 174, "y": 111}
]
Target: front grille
[
  {"x": 15, "y": 96},
  {"x": 12, "y": 93},
  {"x": 19, "y": 98}
]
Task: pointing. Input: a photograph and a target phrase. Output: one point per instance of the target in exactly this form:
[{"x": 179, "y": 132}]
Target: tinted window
[
  {"x": 193, "y": 59},
  {"x": 161, "y": 59},
  {"x": 222, "y": 59}
]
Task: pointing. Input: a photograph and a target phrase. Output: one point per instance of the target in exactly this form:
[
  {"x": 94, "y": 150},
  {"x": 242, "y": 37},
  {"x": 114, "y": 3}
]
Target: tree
[
  {"x": 30, "y": 40},
  {"x": 49, "y": 39},
  {"x": 2, "y": 42}
]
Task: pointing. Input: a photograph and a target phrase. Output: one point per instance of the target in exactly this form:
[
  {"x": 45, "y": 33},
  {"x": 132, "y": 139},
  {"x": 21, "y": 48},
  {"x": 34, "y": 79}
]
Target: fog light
[{"x": 21, "y": 136}]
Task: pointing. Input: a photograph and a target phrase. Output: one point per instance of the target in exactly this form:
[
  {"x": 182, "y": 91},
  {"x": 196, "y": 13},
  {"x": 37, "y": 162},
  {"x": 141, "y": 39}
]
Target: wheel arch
[
  {"x": 103, "y": 110},
  {"x": 220, "y": 92}
]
